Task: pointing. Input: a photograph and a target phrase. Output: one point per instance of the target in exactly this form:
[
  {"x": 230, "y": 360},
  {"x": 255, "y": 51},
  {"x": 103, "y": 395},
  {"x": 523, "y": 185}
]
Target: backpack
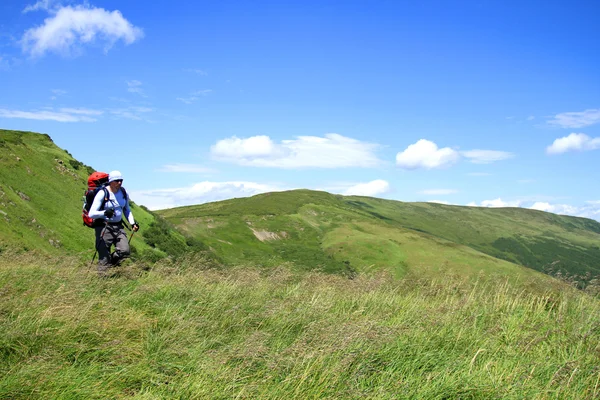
[{"x": 96, "y": 181}]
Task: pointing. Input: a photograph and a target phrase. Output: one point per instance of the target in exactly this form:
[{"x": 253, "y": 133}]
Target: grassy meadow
[{"x": 193, "y": 330}]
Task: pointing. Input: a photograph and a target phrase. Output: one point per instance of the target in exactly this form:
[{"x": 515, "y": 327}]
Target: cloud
[
  {"x": 133, "y": 112},
  {"x": 186, "y": 168},
  {"x": 426, "y": 154},
  {"x": 194, "y": 96},
  {"x": 331, "y": 151},
  {"x": 135, "y": 87},
  {"x": 68, "y": 28},
  {"x": 62, "y": 115},
  {"x": 81, "y": 111},
  {"x": 438, "y": 192},
  {"x": 573, "y": 142},
  {"x": 57, "y": 93},
  {"x": 590, "y": 210},
  {"x": 496, "y": 203},
  {"x": 576, "y": 119},
  {"x": 40, "y": 5},
  {"x": 486, "y": 156},
  {"x": 199, "y": 193},
  {"x": 7, "y": 62},
  {"x": 196, "y": 71},
  {"x": 373, "y": 188}
]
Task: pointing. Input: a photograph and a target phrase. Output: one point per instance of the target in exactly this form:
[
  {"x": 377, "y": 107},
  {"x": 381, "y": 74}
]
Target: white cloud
[
  {"x": 135, "y": 87},
  {"x": 426, "y": 154},
  {"x": 63, "y": 115},
  {"x": 196, "y": 71},
  {"x": 199, "y": 193},
  {"x": 40, "y": 5},
  {"x": 438, "y": 192},
  {"x": 373, "y": 188},
  {"x": 81, "y": 111},
  {"x": 439, "y": 202},
  {"x": 187, "y": 168},
  {"x": 590, "y": 210},
  {"x": 187, "y": 100},
  {"x": 486, "y": 156},
  {"x": 331, "y": 151},
  {"x": 68, "y": 28},
  {"x": 194, "y": 96},
  {"x": 133, "y": 112},
  {"x": 57, "y": 93},
  {"x": 578, "y": 119},
  {"x": 7, "y": 62},
  {"x": 496, "y": 203},
  {"x": 575, "y": 141}
]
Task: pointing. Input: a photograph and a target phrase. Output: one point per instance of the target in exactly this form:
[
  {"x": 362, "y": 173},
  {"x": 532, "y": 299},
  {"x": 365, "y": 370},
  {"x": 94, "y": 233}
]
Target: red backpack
[{"x": 96, "y": 182}]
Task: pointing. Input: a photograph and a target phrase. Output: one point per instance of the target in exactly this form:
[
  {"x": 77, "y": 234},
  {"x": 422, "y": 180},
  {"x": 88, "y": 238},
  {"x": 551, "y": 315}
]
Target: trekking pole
[
  {"x": 101, "y": 236},
  {"x": 131, "y": 236}
]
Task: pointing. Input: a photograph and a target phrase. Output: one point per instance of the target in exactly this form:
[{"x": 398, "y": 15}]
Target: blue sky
[{"x": 486, "y": 103}]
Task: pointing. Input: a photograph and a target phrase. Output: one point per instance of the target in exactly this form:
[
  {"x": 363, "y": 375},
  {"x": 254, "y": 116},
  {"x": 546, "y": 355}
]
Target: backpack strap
[
  {"x": 106, "y": 197},
  {"x": 124, "y": 193}
]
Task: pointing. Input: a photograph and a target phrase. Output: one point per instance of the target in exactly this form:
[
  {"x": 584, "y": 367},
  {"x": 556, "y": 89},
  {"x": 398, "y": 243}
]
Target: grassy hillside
[
  {"x": 189, "y": 331},
  {"x": 41, "y": 190},
  {"x": 351, "y": 234},
  {"x": 532, "y": 238}
]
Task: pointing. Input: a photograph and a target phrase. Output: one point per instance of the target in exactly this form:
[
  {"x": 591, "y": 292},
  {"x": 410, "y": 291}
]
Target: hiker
[{"x": 110, "y": 205}]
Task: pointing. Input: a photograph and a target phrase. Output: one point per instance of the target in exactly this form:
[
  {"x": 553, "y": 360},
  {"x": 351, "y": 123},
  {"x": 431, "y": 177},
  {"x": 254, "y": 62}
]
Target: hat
[{"x": 114, "y": 175}]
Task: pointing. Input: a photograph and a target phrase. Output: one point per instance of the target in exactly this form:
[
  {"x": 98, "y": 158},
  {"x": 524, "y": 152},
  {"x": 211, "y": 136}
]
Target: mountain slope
[
  {"x": 41, "y": 190},
  {"x": 349, "y": 234},
  {"x": 532, "y": 238}
]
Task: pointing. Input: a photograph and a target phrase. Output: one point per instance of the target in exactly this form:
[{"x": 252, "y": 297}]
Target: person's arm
[
  {"x": 128, "y": 213},
  {"x": 95, "y": 211},
  {"x": 129, "y": 216}
]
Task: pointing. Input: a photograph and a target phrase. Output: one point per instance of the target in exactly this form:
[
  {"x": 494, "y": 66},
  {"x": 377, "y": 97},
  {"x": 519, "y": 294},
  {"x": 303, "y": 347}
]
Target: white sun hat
[{"x": 114, "y": 175}]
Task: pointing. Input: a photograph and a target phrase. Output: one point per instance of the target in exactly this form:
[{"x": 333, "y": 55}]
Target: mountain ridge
[{"x": 535, "y": 239}]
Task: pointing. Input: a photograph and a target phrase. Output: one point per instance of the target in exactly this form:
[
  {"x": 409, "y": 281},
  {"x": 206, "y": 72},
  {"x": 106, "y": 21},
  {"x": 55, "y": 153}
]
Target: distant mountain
[
  {"x": 349, "y": 233},
  {"x": 41, "y": 195}
]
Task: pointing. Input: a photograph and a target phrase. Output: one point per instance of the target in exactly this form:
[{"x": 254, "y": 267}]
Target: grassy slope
[
  {"x": 532, "y": 238},
  {"x": 41, "y": 191},
  {"x": 188, "y": 332},
  {"x": 317, "y": 229}
]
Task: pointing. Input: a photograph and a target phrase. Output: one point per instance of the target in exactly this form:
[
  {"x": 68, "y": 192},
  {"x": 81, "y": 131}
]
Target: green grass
[
  {"x": 41, "y": 196},
  {"x": 190, "y": 330},
  {"x": 531, "y": 238}
]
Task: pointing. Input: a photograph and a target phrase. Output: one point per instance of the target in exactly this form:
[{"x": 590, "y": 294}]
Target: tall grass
[{"x": 193, "y": 331}]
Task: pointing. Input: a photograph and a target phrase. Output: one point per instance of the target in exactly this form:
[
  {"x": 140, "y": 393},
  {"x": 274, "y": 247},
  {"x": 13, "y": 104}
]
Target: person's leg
[
  {"x": 122, "y": 249},
  {"x": 102, "y": 246}
]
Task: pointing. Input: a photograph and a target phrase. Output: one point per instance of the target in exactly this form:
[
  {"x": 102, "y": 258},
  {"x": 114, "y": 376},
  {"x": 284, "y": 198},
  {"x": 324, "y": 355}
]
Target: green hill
[
  {"x": 349, "y": 234},
  {"x": 41, "y": 192}
]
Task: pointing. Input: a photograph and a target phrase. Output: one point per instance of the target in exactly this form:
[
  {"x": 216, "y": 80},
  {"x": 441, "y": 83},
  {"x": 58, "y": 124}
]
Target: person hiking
[{"x": 110, "y": 204}]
